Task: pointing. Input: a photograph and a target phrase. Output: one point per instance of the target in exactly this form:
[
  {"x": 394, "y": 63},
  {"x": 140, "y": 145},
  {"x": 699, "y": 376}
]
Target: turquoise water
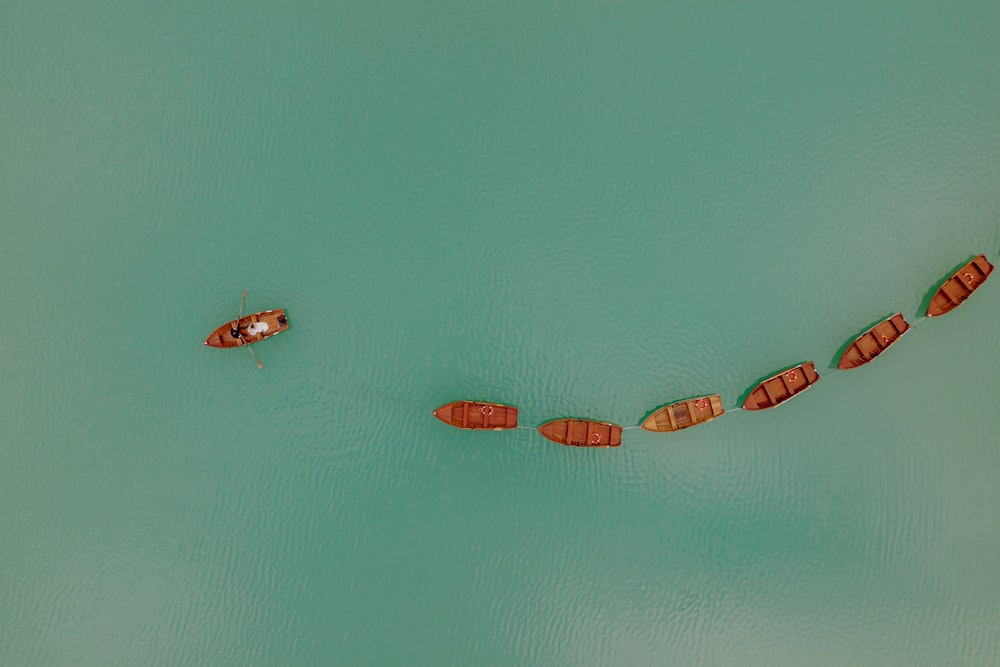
[{"x": 583, "y": 209}]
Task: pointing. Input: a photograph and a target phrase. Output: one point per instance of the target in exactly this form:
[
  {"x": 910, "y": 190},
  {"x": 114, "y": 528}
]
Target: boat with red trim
[
  {"x": 684, "y": 414},
  {"x": 960, "y": 286},
  {"x": 782, "y": 386},
  {"x": 874, "y": 342},
  {"x": 478, "y": 415},
  {"x": 582, "y": 433}
]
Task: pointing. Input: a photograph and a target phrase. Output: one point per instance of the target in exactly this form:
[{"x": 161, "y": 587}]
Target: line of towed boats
[{"x": 769, "y": 393}]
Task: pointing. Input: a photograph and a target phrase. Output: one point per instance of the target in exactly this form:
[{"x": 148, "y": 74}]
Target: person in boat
[
  {"x": 256, "y": 328},
  {"x": 234, "y": 330}
]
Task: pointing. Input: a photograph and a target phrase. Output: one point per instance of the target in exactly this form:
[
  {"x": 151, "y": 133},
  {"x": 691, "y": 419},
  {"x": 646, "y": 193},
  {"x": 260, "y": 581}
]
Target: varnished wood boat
[
  {"x": 249, "y": 329},
  {"x": 582, "y": 433},
  {"x": 778, "y": 388},
  {"x": 478, "y": 415},
  {"x": 873, "y": 342},
  {"x": 959, "y": 286},
  {"x": 684, "y": 414}
]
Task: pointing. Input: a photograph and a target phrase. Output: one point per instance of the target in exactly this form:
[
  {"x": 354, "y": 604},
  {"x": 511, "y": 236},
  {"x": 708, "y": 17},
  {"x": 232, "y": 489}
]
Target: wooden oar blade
[{"x": 252, "y": 354}]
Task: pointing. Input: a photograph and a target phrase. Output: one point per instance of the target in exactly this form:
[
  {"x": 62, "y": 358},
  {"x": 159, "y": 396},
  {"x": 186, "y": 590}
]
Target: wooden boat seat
[{"x": 682, "y": 416}]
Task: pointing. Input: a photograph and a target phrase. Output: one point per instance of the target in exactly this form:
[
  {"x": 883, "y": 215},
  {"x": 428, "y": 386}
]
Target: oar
[
  {"x": 236, "y": 329},
  {"x": 250, "y": 350},
  {"x": 236, "y": 323}
]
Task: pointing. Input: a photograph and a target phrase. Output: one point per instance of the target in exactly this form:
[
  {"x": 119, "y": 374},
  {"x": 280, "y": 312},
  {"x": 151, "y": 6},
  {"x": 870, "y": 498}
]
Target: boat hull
[
  {"x": 582, "y": 433},
  {"x": 874, "y": 342},
  {"x": 781, "y": 387},
  {"x": 275, "y": 320},
  {"x": 959, "y": 286},
  {"x": 477, "y": 415},
  {"x": 684, "y": 414}
]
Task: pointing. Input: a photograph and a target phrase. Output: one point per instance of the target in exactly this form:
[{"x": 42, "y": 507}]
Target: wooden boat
[
  {"x": 684, "y": 414},
  {"x": 873, "y": 342},
  {"x": 478, "y": 415},
  {"x": 778, "y": 388},
  {"x": 959, "y": 286},
  {"x": 582, "y": 433},
  {"x": 249, "y": 329}
]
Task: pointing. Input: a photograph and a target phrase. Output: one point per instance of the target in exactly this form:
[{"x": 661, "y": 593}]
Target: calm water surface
[{"x": 583, "y": 209}]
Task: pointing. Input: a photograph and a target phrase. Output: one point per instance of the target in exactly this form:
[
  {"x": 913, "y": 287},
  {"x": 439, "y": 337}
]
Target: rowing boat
[
  {"x": 684, "y": 414},
  {"x": 873, "y": 342},
  {"x": 960, "y": 286},
  {"x": 478, "y": 415},
  {"x": 582, "y": 433},
  {"x": 249, "y": 329},
  {"x": 782, "y": 386}
]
